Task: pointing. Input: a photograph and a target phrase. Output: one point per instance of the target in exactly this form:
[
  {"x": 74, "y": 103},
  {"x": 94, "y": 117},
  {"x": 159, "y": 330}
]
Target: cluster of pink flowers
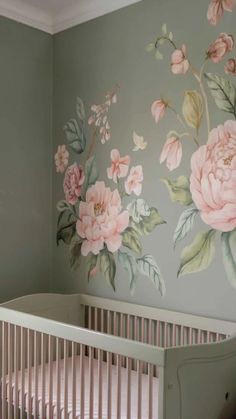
[
  {"x": 99, "y": 117},
  {"x": 101, "y": 221},
  {"x": 119, "y": 169},
  {"x": 213, "y": 178},
  {"x": 73, "y": 182},
  {"x": 61, "y": 158},
  {"x": 216, "y": 9},
  {"x": 220, "y": 47}
]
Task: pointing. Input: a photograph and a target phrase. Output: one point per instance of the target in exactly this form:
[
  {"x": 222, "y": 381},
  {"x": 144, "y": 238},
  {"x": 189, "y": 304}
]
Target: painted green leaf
[
  {"x": 75, "y": 251},
  {"x": 164, "y": 29},
  {"x": 199, "y": 254},
  {"x": 91, "y": 174},
  {"x": 228, "y": 243},
  {"x": 179, "y": 190},
  {"x": 185, "y": 224},
  {"x": 148, "y": 266},
  {"x": 171, "y": 36},
  {"x": 147, "y": 224},
  {"x": 158, "y": 55},
  {"x": 150, "y": 47},
  {"x": 91, "y": 263},
  {"x": 130, "y": 265},
  {"x": 107, "y": 266},
  {"x": 80, "y": 109},
  {"x": 223, "y": 92},
  {"x": 130, "y": 239},
  {"x": 63, "y": 206},
  {"x": 75, "y": 136},
  {"x": 137, "y": 209},
  {"x": 65, "y": 232}
]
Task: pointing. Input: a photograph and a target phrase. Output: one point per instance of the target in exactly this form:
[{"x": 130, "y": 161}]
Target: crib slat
[
  {"x": 91, "y": 381},
  {"x": 65, "y": 379},
  {"x": 29, "y": 365},
  {"x": 139, "y": 392},
  {"x": 10, "y": 353},
  {"x": 118, "y": 387},
  {"x": 73, "y": 378},
  {"x": 100, "y": 383},
  {"x": 50, "y": 369},
  {"x": 58, "y": 376},
  {"x": 150, "y": 390},
  {"x": 4, "y": 368},
  {"x": 128, "y": 388},
  {"x": 36, "y": 374},
  {"x": 16, "y": 370},
  {"x": 43, "y": 381},
  {"x": 22, "y": 367},
  {"x": 81, "y": 379}
]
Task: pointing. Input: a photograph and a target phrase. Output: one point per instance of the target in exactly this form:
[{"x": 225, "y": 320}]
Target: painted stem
[
  {"x": 167, "y": 39},
  {"x": 93, "y": 143},
  {"x": 198, "y": 77}
]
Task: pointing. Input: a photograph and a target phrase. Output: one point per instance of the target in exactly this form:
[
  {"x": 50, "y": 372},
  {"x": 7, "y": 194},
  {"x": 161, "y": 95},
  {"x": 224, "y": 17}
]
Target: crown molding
[
  {"x": 87, "y": 10},
  {"x": 22, "y": 12},
  {"x": 66, "y": 18}
]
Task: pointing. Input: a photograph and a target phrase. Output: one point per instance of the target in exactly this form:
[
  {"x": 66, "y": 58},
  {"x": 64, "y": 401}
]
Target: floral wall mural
[
  {"x": 102, "y": 224},
  {"x": 146, "y": 172}
]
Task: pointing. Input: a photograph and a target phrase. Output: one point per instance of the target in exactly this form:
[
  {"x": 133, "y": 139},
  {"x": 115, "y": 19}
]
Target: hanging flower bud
[{"x": 192, "y": 108}]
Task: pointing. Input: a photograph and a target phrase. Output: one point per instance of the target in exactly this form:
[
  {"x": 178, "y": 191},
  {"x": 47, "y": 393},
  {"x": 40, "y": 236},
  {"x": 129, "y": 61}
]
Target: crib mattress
[{"x": 134, "y": 392}]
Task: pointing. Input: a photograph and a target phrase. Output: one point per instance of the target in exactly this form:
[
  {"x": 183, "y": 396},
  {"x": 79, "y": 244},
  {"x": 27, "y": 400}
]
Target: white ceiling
[{"x": 53, "y": 16}]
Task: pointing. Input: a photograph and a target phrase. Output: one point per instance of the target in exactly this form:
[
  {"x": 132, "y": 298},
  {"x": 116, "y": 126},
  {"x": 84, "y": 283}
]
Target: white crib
[{"x": 78, "y": 356}]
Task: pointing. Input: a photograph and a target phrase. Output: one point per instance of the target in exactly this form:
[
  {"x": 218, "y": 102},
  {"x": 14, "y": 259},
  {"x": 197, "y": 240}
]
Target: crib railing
[{"x": 47, "y": 376}]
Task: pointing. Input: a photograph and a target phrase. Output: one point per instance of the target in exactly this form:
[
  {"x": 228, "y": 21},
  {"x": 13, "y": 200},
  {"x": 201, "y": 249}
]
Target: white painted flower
[
  {"x": 139, "y": 142},
  {"x": 138, "y": 209}
]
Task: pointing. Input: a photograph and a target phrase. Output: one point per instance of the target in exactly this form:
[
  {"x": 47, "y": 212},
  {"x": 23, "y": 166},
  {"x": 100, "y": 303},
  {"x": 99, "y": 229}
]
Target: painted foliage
[
  {"x": 103, "y": 221},
  {"x": 210, "y": 191}
]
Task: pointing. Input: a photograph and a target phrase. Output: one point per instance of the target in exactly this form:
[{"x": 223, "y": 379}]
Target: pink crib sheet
[{"x": 134, "y": 393}]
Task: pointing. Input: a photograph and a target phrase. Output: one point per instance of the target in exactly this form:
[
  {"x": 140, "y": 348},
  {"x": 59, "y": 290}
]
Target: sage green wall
[
  {"x": 88, "y": 60},
  {"x": 25, "y": 159}
]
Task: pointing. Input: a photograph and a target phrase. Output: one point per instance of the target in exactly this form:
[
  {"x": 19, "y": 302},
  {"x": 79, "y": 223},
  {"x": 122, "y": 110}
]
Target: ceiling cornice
[{"x": 66, "y": 18}]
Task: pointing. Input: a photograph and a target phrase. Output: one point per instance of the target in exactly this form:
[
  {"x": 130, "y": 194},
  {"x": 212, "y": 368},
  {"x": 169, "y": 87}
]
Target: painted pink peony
[
  {"x": 218, "y": 49},
  {"x": 158, "y": 109},
  {"x": 172, "y": 153},
  {"x": 73, "y": 181},
  {"x": 230, "y": 66},
  {"x": 213, "y": 178},
  {"x": 61, "y": 158},
  {"x": 134, "y": 181},
  {"x": 179, "y": 61},
  {"x": 101, "y": 221},
  {"x": 216, "y": 9},
  {"x": 119, "y": 166}
]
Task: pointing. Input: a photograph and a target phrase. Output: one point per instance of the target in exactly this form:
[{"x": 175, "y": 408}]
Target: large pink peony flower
[
  {"x": 172, "y": 153},
  {"x": 101, "y": 220},
  {"x": 213, "y": 178},
  {"x": 217, "y": 50},
  {"x": 73, "y": 181},
  {"x": 133, "y": 182},
  {"x": 216, "y": 9},
  {"x": 119, "y": 166},
  {"x": 61, "y": 158},
  {"x": 179, "y": 61}
]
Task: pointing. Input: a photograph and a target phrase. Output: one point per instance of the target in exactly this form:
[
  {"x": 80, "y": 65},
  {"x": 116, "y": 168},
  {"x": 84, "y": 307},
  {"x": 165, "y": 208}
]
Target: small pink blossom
[
  {"x": 105, "y": 133},
  {"x": 179, "y": 61},
  {"x": 119, "y": 166},
  {"x": 172, "y": 153},
  {"x": 216, "y": 9},
  {"x": 230, "y": 66},
  {"x": 134, "y": 181},
  {"x": 158, "y": 109},
  {"x": 221, "y": 46},
  {"x": 101, "y": 221},
  {"x": 61, "y": 158},
  {"x": 73, "y": 181},
  {"x": 213, "y": 178}
]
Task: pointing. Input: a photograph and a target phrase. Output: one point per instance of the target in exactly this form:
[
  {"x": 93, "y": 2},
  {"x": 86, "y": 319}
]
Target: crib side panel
[{"x": 199, "y": 381}]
